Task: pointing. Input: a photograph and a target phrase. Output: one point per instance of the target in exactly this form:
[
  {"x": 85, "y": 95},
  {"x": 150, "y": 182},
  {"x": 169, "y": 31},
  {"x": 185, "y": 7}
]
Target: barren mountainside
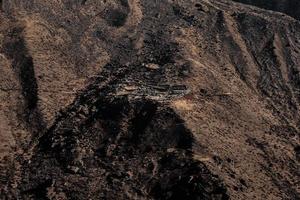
[
  {"x": 289, "y": 7},
  {"x": 149, "y": 99}
]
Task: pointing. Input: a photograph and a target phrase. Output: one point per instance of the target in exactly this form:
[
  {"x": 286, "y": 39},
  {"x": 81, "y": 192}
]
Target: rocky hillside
[
  {"x": 148, "y": 99},
  {"x": 289, "y": 7}
]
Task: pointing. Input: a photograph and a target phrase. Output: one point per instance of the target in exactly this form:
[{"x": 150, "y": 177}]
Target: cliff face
[{"x": 146, "y": 99}]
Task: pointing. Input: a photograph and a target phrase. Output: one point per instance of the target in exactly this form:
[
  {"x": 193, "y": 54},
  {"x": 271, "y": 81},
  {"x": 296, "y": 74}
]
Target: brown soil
[{"x": 147, "y": 99}]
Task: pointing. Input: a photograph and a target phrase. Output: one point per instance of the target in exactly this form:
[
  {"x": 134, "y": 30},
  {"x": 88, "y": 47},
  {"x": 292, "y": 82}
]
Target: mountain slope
[
  {"x": 289, "y": 7},
  {"x": 148, "y": 100}
]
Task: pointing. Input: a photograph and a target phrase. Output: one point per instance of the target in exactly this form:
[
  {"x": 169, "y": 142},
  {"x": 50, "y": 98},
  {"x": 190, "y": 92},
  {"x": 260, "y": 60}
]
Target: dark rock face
[
  {"x": 289, "y": 7},
  {"x": 110, "y": 146},
  {"x": 124, "y": 150},
  {"x": 147, "y": 99}
]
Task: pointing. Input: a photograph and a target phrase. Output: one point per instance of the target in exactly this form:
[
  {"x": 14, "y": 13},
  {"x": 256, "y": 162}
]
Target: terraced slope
[{"x": 148, "y": 100}]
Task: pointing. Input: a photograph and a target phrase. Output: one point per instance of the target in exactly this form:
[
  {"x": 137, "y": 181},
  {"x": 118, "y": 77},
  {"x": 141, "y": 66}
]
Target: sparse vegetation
[{"x": 149, "y": 99}]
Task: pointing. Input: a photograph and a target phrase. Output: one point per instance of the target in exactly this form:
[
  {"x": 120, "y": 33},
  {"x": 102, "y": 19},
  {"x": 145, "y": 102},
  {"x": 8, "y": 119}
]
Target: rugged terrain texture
[
  {"x": 289, "y": 7},
  {"x": 149, "y": 99}
]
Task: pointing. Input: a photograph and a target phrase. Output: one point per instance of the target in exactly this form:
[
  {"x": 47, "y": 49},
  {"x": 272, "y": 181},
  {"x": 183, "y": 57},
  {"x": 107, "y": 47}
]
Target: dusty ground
[{"x": 148, "y": 99}]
